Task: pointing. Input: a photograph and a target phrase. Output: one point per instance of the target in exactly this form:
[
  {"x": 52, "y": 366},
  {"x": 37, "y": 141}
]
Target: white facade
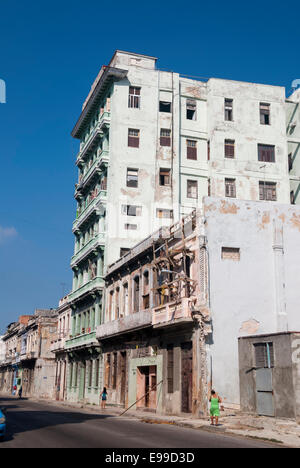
[
  {"x": 293, "y": 138},
  {"x": 2, "y": 350},
  {"x": 254, "y": 267},
  {"x": 206, "y": 129}
]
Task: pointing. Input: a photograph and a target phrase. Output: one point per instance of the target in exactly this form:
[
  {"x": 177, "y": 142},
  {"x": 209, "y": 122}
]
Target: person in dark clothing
[{"x": 20, "y": 392}]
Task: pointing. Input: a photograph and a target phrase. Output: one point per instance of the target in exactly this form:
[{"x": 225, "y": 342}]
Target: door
[
  {"x": 82, "y": 381},
  {"x": 264, "y": 392},
  {"x": 123, "y": 377},
  {"x": 186, "y": 376}
]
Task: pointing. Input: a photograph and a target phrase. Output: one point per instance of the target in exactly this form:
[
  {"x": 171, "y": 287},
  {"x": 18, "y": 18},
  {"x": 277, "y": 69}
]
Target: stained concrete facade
[
  {"x": 272, "y": 388},
  {"x": 254, "y": 258},
  {"x": 293, "y": 138}
]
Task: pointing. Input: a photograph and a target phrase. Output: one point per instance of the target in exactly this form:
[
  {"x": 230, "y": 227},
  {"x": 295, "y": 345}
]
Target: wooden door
[
  {"x": 123, "y": 377},
  {"x": 186, "y": 377}
]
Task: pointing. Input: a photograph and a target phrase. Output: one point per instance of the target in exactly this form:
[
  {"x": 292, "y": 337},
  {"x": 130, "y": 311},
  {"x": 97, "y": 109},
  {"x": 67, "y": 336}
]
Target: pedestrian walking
[
  {"x": 20, "y": 392},
  {"x": 103, "y": 398},
  {"x": 215, "y": 401}
]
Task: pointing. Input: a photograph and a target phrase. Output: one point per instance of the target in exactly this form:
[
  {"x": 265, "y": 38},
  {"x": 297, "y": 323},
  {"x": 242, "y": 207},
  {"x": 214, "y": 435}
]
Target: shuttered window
[
  {"x": 229, "y": 109},
  {"x": 231, "y": 253},
  {"x": 165, "y": 137},
  {"x": 229, "y": 148},
  {"x": 264, "y": 355},
  {"x": 267, "y": 191},
  {"x": 191, "y": 149},
  {"x": 133, "y": 137},
  {"x": 192, "y": 189},
  {"x": 266, "y": 153},
  {"x": 264, "y": 112},
  {"x": 132, "y": 178},
  {"x": 134, "y": 98},
  {"x": 230, "y": 190},
  {"x": 164, "y": 177}
]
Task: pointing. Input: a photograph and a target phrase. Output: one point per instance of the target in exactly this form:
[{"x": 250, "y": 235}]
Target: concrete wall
[{"x": 259, "y": 293}]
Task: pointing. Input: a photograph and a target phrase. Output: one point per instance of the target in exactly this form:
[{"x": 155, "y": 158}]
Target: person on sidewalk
[
  {"x": 103, "y": 398},
  {"x": 20, "y": 392},
  {"x": 215, "y": 401}
]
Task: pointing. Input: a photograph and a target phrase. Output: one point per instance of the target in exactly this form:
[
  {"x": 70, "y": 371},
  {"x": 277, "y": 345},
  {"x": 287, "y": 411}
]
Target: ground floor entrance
[{"x": 146, "y": 387}]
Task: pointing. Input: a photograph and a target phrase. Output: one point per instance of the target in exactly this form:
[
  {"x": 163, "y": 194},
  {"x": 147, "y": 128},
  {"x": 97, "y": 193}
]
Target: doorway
[
  {"x": 186, "y": 376},
  {"x": 146, "y": 380}
]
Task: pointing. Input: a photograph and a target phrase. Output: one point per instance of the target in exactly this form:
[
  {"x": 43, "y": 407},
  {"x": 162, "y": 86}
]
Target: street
[{"x": 33, "y": 424}]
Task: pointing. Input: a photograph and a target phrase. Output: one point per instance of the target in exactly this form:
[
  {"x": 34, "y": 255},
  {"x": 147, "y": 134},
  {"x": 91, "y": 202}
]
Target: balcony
[
  {"x": 85, "y": 289},
  {"x": 95, "y": 206},
  {"x": 94, "y": 138},
  {"x": 91, "y": 247},
  {"x": 96, "y": 168},
  {"x": 81, "y": 341},
  {"x": 126, "y": 324},
  {"x": 58, "y": 342},
  {"x": 172, "y": 313}
]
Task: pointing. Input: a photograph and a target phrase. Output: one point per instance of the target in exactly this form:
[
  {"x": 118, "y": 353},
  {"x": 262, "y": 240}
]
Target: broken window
[
  {"x": 264, "y": 355},
  {"x": 164, "y": 177},
  {"x": 230, "y": 253},
  {"x": 229, "y": 148},
  {"x": 264, "y": 112},
  {"x": 191, "y": 109},
  {"x": 267, "y": 191},
  {"x": 165, "y": 137},
  {"x": 165, "y": 106},
  {"x": 170, "y": 368},
  {"x": 131, "y": 210},
  {"x": 124, "y": 251},
  {"x": 266, "y": 153},
  {"x": 133, "y": 138},
  {"x": 163, "y": 213},
  {"x": 229, "y": 110},
  {"x": 191, "y": 149},
  {"x": 192, "y": 189},
  {"x": 230, "y": 189},
  {"x": 134, "y": 98},
  {"x": 132, "y": 178}
]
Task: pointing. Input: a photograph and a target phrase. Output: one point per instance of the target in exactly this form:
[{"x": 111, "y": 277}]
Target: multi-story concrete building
[
  {"x": 29, "y": 362},
  {"x": 178, "y": 302},
  {"x": 152, "y": 144}
]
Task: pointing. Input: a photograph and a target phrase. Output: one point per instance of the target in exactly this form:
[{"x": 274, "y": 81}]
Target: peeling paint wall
[{"x": 257, "y": 294}]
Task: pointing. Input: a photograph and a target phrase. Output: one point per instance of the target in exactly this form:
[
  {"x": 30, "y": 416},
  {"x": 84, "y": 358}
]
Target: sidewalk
[{"x": 285, "y": 432}]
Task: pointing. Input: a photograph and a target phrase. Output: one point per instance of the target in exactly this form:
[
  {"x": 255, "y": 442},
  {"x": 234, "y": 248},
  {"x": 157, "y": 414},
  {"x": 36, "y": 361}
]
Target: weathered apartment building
[
  {"x": 29, "y": 361},
  {"x": 152, "y": 144},
  {"x": 180, "y": 301}
]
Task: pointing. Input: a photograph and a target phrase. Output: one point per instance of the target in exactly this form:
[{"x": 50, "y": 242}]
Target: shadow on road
[{"x": 21, "y": 418}]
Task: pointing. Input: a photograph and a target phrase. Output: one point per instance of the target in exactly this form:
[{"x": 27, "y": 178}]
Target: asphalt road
[{"x": 33, "y": 424}]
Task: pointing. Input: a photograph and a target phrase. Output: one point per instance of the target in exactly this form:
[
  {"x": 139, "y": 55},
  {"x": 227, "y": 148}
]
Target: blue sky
[{"x": 50, "y": 54}]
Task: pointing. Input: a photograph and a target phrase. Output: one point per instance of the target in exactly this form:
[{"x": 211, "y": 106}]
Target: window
[
  {"x": 229, "y": 110},
  {"x": 130, "y": 227},
  {"x": 267, "y": 191},
  {"x": 161, "y": 213},
  {"x": 165, "y": 137},
  {"x": 266, "y": 153},
  {"x": 292, "y": 197},
  {"x": 146, "y": 290},
  {"x": 231, "y": 253},
  {"x": 165, "y": 177},
  {"x": 165, "y": 106},
  {"x": 229, "y": 148},
  {"x": 191, "y": 149},
  {"x": 192, "y": 189},
  {"x": 134, "y": 98},
  {"x": 208, "y": 187},
  {"x": 114, "y": 370},
  {"x": 230, "y": 190},
  {"x": 90, "y": 374},
  {"x": 136, "y": 294},
  {"x": 124, "y": 251},
  {"x": 132, "y": 178},
  {"x": 191, "y": 109},
  {"x": 133, "y": 138},
  {"x": 264, "y": 113},
  {"x": 170, "y": 367},
  {"x": 131, "y": 210},
  {"x": 264, "y": 355}
]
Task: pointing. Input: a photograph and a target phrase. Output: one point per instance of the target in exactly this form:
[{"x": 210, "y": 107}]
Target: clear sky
[{"x": 50, "y": 53}]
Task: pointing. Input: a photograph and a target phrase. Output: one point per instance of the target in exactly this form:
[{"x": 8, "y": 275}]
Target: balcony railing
[
  {"x": 90, "y": 247},
  {"x": 125, "y": 324},
  {"x": 100, "y": 161},
  {"x": 172, "y": 312},
  {"x": 83, "y": 215},
  {"x": 81, "y": 340},
  {"x": 95, "y": 283},
  {"x": 93, "y": 138}
]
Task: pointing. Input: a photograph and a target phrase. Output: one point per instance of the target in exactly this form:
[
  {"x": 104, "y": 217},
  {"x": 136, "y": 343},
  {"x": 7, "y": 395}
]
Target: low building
[{"x": 178, "y": 302}]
